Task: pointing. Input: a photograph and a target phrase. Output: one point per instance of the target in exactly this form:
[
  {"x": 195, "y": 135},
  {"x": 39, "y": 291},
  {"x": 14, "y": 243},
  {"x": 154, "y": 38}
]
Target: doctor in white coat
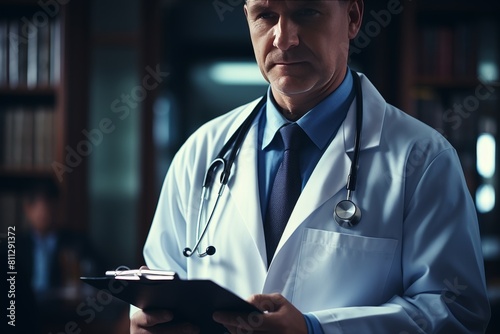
[{"x": 412, "y": 265}]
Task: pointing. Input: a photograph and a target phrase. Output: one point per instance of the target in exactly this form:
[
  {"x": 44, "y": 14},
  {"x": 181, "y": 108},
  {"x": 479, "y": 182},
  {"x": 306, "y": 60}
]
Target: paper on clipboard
[{"x": 191, "y": 301}]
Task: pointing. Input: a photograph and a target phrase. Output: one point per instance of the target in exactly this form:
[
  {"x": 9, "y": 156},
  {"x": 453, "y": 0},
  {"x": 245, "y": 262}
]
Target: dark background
[{"x": 111, "y": 45}]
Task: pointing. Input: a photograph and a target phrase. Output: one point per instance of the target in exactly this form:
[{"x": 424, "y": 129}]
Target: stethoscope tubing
[{"x": 234, "y": 144}]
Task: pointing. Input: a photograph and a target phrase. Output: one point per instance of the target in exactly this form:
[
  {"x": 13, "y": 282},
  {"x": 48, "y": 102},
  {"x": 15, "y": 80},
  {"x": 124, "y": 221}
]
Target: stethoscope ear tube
[
  {"x": 209, "y": 175},
  {"x": 232, "y": 147},
  {"x": 346, "y": 213}
]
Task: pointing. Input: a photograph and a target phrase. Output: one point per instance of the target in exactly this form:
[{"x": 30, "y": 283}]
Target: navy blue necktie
[{"x": 286, "y": 188}]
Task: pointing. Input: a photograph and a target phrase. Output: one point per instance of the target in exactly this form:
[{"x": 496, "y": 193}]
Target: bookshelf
[
  {"x": 43, "y": 104},
  {"x": 43, "y": 110},
  {"x": 449, "y": 63},
  {"x": 444, "y": 47}
]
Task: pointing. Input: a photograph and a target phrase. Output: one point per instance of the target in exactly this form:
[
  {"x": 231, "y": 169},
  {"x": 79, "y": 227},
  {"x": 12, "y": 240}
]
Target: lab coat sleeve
[
  {"x": 167, "y": 236},
  {"x": 442, "y": 266},
  {"x": 162, "y": 249}
]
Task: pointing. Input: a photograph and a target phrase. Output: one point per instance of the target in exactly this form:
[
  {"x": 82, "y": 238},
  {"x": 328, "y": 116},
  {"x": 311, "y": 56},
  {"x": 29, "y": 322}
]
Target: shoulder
[
  {"x": 404, "y": 131},
  {"x": 395, "y": 131},
  {"x": 224, "y": 124},
  {"x": 418, "y": 152},
  {"x": 406, "y": 147},
  {"x": 211, "y": 136}
]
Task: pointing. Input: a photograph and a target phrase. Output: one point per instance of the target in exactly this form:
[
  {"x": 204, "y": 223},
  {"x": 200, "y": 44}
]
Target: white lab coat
[{"x": 412, "y": 265}]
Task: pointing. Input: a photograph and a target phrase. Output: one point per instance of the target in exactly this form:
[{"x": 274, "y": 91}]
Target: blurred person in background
[
  {"x": 54, "y": 257},
  {"x": 50, "y": 259}
]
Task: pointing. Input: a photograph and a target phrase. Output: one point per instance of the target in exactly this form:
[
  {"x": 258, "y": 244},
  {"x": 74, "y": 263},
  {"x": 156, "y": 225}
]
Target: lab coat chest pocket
[{"x": 336, "y": 269}]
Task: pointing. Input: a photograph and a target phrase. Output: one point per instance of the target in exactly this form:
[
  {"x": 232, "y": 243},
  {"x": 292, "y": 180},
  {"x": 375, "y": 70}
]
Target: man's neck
[{"x": 293, "y": 107}]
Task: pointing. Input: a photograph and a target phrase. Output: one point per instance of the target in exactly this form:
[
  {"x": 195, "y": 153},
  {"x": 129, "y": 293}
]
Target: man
[
  {"x": 52, "y": 257},
  {"x": 413, "y": 264}
]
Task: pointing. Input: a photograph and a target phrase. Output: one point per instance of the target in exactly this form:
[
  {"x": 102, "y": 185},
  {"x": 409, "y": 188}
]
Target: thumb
[{"x": 267, "y": 302}]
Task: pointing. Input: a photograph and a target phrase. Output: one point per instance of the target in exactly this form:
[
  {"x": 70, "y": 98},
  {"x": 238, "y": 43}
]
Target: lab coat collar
[{"x": 373, "y": 118}]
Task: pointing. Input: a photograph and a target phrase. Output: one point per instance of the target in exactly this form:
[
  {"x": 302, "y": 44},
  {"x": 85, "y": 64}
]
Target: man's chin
[{"x": 291, "y": 89}]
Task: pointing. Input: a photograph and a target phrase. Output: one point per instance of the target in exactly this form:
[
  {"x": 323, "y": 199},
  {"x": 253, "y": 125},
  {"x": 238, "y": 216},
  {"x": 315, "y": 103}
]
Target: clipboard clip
[{"x": 124, "y": 273}]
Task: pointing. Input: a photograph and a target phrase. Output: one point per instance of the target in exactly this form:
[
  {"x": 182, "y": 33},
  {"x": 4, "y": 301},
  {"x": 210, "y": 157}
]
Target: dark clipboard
[{"x": 192, "y": 301}]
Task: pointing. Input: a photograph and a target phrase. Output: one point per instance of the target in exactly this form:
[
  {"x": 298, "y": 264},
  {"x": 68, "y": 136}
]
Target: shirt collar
[{"x": 316, "y": 123}]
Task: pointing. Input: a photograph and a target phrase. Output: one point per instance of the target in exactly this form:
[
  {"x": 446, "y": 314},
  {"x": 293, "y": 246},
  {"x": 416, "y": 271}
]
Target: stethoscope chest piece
[{"x": 347, "y": 214}]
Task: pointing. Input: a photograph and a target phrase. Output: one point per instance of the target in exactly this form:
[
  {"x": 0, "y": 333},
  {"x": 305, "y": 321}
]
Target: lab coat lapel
[
  {"x": 327, "y": 179},
  {"x": 244, "y": 189},
  {"x": 330, "y": 175}
]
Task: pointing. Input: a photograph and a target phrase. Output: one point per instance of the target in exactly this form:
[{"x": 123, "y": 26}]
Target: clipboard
[{"x": 192, "y": 301}]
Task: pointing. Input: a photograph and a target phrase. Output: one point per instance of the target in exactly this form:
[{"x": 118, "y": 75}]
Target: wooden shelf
[
  {"x": 20, "y": 2},
  {"x": 451, "y": 8},
  {"x": 457, "y": 6},
  {"x": 13, "y": 8},
  {"x": 24, "y": 95},
  {"x": 25, "y": 171},
  {"x": 451, "y": 83},
  {"x": 66, "y": 101},
  {"x": 17, "y": 180},
  {"x": 28, "y": 92}
]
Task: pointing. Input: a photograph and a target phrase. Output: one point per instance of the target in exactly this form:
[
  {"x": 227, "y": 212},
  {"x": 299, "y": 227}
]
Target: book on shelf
[
  {"x": 465, "y": 52},
  {"x": 447, "y": 51},
  {"x": 11, "y": 211},
  {"x": 27, "y": 142},
  {"x": 32, "y": 59},
  {"x": 28, "y": 137},
  {"x": 55, "y": 51},
  {"x": 13, "y": 46},
  {"x": 43, "y": 68},
  {"x": 429, "y": 107},
  {"x": 462, "y": 129},
  {"x": 455, "y": 120},
  {"x": 3, "y": 52},
  {"x": 18, "y": 121},
  {"x": 468, "y": 162},
  {"x": 30, "y": 56},
  {"x": 451, "y": 117},
  {"x": 22, "y": 62},
  {"x": 42, "y": 130},
  {"x": 6, "y": 136}
]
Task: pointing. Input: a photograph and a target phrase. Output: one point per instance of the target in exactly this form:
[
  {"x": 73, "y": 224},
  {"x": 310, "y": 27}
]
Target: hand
[
  {"x": 158, "y": 321},
  {"x": 281, "y": 317},
  {"x": 152, "y": 322}
]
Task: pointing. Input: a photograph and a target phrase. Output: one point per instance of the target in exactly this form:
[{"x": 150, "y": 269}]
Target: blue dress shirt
[
  {"x": 321, "y": 124},
  {"x": 43, "y": 253}
]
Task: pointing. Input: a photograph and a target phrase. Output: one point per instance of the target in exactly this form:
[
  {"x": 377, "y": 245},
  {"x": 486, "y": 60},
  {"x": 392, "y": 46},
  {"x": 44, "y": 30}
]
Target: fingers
[
  {"x": 178, "y": 329},
  {"x": 168, "y": 329},
  {"x": 269, "y": 303},
  {"x": 279, "y": 316},
  {"x": 152, "y": 322},
  {"x": 254, "y": 320},
  {"x": 143, "y": 319},
  {"x": 246, "y": 321}
]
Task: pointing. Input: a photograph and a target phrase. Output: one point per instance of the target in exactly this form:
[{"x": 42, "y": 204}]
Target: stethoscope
[{"x": 347, "y": 214}]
